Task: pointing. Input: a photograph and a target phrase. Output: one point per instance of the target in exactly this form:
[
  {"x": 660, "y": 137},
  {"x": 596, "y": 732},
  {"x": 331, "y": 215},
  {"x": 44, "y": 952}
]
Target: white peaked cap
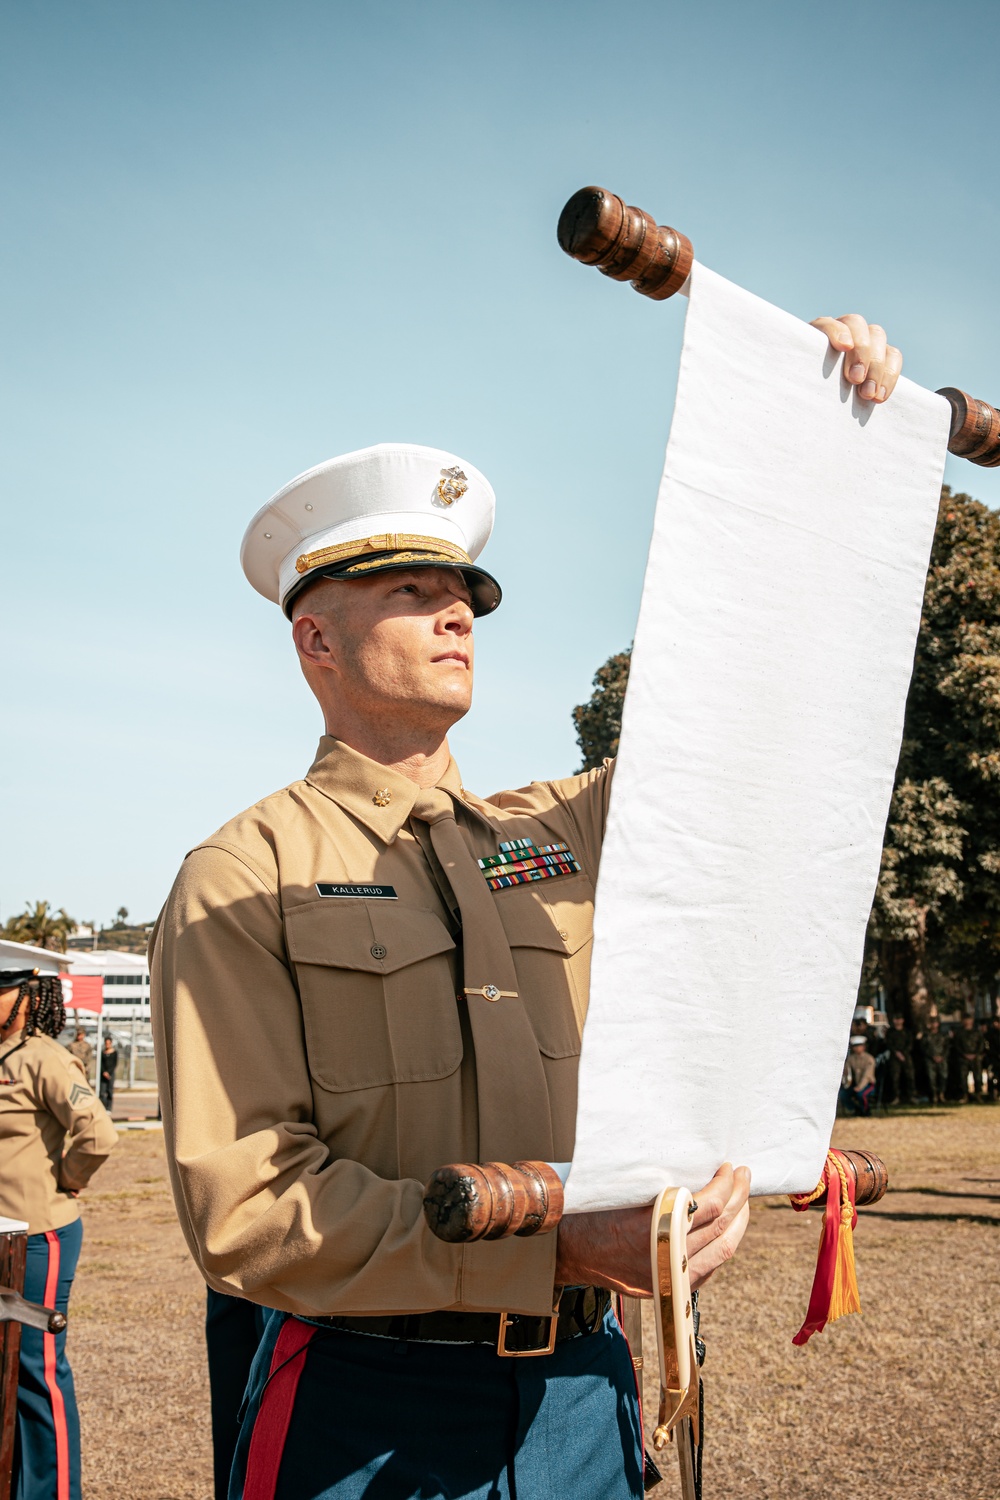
[{"x": 396, "y": 505}]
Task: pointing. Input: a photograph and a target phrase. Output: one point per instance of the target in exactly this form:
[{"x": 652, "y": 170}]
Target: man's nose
[{"x": 459, "y": 617}]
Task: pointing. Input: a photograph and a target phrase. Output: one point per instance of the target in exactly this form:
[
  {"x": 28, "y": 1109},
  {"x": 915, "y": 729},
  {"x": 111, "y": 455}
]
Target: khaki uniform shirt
[
  {"x": 859, "y": 1068},
  {"x": 316, "y": 1064},
  {"x": 47, "y": 1107}
]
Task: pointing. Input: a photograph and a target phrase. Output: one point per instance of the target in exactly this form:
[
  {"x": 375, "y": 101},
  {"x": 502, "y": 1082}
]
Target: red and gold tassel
[{"x": 835, "y": 1285}]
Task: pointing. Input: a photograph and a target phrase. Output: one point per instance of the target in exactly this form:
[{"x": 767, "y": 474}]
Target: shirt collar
[{"x": 376, "y": 796}]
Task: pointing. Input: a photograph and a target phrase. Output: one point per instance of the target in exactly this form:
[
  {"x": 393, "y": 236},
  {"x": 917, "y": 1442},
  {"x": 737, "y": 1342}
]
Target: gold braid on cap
[{"x": 391, "y": 542}]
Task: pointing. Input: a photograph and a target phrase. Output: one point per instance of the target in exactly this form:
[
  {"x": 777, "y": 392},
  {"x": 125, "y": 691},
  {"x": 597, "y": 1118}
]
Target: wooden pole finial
[
  {"x": 625, "y": 243},
  {"x": 975, "y": 428},
  {"x": 871, "y": 1175},
  {"x": 492, "y": 1200},
  {"x": 600, "y": 229}
]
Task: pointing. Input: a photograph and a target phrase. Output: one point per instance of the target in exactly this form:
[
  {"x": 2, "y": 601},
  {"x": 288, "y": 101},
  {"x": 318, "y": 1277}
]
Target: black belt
[{"x": 581, "y": 1311}]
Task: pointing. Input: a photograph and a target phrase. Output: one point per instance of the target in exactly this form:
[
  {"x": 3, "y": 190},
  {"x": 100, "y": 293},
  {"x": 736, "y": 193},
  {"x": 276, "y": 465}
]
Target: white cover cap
[{"x": 393, "y": 505}]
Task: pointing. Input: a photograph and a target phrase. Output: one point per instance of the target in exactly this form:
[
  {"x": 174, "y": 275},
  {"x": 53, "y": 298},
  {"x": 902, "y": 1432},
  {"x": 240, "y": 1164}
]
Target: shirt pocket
[
  {"x": 551, "y": 952},
  {"x": 378, "y": 993}
]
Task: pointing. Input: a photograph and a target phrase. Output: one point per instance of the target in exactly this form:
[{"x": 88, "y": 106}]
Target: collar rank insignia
[{"x": 520, "y": 860}]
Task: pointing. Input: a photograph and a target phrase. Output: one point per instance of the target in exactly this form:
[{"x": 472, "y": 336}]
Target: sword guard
[{"x": 675, "y": 1331}]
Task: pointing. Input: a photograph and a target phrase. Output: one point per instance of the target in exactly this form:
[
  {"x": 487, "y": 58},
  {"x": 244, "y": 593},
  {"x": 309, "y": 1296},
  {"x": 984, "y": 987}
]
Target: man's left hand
[
  {"x": 611, "y": 1248},
  {"x": 870, "y": 364}
]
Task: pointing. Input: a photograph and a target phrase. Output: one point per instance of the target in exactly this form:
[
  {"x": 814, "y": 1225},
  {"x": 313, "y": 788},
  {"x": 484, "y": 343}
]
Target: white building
[
  {"x": 125, "y": 985},
  {"x": 125, "y": 975},
  {"x": 126, "y": 980}
]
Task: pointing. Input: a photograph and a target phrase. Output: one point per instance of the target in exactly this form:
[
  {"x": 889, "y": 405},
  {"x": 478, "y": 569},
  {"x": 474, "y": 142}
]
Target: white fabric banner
[{"x": 761, "y": 731}]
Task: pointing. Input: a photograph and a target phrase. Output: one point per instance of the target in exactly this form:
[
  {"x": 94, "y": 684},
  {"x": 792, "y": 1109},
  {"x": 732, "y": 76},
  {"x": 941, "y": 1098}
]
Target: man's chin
[
  {"x": 438, "y": 711},
  {"x": 447, "y": 698}
]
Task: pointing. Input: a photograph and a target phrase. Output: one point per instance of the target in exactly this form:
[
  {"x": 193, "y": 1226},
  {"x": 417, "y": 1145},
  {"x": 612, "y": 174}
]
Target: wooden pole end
[{"x": 599, "y": 229}]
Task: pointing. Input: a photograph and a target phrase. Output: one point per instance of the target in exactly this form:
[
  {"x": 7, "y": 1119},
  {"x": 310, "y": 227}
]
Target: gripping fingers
[
  {"x": 856, "y": 363},
  {"x": 719, "y": 1205},
  {"x": 837, "y": 332},
  {"x": 874, "y": 380},
  {"x": 893, "y": 368},
  {"x": 721, "y": 1248},
  {"x": 870, "y": 363},
  {"x": 712, "y": 1200}
]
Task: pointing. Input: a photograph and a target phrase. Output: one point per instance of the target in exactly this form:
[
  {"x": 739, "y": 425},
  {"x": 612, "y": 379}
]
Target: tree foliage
[
  {"x": 598, "y": 722},
  {"x": 40, "y": 926},
  {"x": 936, "y": 916},
  {"x": 938, "y": 901}
]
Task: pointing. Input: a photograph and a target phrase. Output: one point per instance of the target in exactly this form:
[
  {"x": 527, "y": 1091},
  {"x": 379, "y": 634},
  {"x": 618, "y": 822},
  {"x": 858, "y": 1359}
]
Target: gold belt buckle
[{"x": 506, "y": 1353}]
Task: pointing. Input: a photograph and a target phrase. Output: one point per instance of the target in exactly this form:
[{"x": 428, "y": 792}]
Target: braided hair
[{"x": 44, "y": 1013}]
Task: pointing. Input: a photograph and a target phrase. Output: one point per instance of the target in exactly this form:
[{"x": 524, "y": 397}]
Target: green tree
[
  {"x": 942, "y": 850},
  {"x": 920, "y": 885},
  {"x": 598, "y": 722},
  {"x": 936, "y": 914},
  {"x": 40, "y": 926}
]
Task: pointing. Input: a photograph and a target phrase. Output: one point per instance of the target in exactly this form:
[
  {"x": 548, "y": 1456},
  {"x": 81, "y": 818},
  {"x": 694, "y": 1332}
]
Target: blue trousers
[
  {"x": 343, "y": 1416},
  {"x": 233, "y": 1331},
  {"x": 47, "y": 1445}
]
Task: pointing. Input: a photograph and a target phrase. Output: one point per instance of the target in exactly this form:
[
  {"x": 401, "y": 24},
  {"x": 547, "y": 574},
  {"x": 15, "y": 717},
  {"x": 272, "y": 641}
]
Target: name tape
[{"x": 368, "y": 892}]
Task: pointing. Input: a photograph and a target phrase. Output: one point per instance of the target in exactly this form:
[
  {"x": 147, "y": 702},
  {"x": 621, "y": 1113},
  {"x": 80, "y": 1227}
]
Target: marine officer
[
  {"x": 374, "y": 972},
  {"x": 54, "y": 1134}
]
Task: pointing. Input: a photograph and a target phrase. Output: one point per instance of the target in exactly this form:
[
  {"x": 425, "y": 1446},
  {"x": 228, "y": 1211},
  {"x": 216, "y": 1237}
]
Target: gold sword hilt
[{"x": 676, "y": 1348}]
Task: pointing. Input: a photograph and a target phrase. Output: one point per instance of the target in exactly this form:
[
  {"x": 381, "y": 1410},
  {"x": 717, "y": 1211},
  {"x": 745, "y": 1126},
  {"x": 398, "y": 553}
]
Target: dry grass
[
  {"x": 136, "y": 1338},
  {"x": 899, "y": 1403}
]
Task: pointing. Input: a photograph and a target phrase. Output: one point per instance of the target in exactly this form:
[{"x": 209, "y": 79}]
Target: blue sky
[{"x": 241, "y": 238}]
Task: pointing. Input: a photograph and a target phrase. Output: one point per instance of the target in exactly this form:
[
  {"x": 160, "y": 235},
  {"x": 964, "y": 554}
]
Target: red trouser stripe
[
  {"x": 267, "y": 1441},
  {"x": 49, "y": 1357}
]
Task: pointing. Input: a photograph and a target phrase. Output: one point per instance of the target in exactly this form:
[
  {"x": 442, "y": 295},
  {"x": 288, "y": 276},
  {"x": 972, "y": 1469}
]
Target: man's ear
[{"x": 314, "y": 640}]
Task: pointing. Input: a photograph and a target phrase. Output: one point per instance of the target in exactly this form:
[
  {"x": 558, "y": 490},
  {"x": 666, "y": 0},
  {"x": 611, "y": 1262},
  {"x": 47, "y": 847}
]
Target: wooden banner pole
[{"x": 599, "y": 229}]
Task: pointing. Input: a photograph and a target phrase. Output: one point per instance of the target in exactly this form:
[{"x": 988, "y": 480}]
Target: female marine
[{"x": 54, "y": 1134}]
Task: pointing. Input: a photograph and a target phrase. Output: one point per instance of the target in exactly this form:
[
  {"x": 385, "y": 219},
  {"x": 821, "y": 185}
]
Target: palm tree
[{"x": 41, "y": 927}]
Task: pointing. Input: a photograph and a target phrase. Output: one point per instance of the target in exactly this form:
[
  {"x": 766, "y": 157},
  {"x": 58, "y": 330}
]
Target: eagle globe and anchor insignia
[{"x": 452, "y": 485}]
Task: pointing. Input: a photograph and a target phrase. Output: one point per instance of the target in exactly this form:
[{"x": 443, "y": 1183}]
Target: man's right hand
[{"x": 612, "y": 1249}]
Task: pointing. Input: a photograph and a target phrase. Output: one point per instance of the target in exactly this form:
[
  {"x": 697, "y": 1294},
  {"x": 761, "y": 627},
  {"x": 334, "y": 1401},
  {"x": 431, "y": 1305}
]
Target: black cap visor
[
  {"x": 483, "y": 587},
  {"x": 11, "y": 977}
]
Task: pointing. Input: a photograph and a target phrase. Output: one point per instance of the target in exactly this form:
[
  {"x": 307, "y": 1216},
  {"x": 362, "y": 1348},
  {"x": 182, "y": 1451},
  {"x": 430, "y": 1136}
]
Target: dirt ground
[
  {"x": 902, "y": 1402},
  {"x": 135, "y": 1338}
]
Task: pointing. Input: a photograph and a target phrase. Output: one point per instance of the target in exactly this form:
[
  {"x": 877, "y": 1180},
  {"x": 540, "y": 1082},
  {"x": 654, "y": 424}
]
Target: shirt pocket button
[{"x": 377, "y": 951}]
